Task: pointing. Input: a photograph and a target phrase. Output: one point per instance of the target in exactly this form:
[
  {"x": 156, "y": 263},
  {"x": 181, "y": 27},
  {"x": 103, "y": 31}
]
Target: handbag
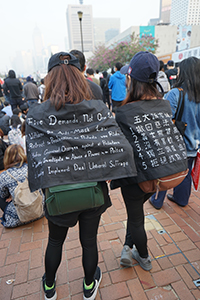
[
  {"x": 28, "y": 204},
  {"x": 163, "y": 184},
  {"x": 179, "y": 112},
  {"x": 69, "y": 198},
  {"x": 196, "y": 171}
]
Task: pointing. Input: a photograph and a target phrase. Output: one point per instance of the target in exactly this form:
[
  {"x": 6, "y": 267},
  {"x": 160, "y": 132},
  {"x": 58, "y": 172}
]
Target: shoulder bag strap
[
  {"x": 180, "y": 107},
  {"x": 14, "y": 177}
]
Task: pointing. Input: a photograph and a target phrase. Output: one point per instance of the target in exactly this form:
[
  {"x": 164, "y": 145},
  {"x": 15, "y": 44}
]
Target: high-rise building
[
  {"x": 38, "y": 43},
  {"x": 73, "y": 24},
  {"x": 185, "y": 12},
  {"x": 165, "y": 9}
]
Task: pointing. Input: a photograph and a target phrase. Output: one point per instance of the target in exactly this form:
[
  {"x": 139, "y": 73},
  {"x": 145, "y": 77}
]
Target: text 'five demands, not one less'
[{"x": 78, "y": 143}]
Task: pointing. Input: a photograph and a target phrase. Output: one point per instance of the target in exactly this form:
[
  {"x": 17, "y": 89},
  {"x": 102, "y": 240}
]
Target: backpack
[{"x": 28, "y": 204}]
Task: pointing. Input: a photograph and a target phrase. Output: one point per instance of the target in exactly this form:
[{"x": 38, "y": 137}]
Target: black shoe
[
  {"x": 171, "y": 198},
  {"x": 153, "y": 204},
  {"x": 91, "y": 294},
  {"x": 49, "y": 294}
]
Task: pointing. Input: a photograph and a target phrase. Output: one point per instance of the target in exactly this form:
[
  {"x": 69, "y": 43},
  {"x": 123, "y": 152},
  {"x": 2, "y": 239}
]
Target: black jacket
[{"x": 13, "y": 85}]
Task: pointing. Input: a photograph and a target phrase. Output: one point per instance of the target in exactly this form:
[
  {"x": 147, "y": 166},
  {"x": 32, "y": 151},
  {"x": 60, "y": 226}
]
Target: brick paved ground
[{"x": 174, "y": 244}]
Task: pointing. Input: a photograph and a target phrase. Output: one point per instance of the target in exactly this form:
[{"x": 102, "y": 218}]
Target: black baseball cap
[
  {"x": 143, "y": 65},
  {"x": 56, "y": 61}
]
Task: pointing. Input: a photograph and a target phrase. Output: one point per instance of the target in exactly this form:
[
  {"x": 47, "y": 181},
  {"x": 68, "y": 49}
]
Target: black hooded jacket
[{"x": 13, "y": 85}]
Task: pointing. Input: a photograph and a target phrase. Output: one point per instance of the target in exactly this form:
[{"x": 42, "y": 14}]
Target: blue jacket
[
  {"x": 117, "y": 84},
  {"x": 191, "y": 116}
]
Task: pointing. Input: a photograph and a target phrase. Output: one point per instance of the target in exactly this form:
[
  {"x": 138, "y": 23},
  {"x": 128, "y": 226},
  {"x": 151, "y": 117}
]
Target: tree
[{"x": 105, "y": 58}]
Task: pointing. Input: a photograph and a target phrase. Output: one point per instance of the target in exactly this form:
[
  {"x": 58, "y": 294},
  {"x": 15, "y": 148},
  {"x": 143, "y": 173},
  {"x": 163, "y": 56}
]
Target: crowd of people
[{"x": 69, "y": 82}]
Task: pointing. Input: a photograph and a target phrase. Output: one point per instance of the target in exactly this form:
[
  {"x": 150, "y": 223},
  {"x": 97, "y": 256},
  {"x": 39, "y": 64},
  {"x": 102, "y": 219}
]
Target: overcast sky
[{"x": 20, "y": 17}]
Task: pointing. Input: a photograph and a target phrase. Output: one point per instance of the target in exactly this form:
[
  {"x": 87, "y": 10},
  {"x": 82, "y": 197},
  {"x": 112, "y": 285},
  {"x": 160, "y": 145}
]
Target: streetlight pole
[{"x": 80, "y": 15}]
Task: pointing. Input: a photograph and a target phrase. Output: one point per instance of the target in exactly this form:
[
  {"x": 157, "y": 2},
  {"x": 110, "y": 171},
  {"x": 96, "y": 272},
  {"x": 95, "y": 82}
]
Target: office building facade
[{"x": 73, "y": 25}]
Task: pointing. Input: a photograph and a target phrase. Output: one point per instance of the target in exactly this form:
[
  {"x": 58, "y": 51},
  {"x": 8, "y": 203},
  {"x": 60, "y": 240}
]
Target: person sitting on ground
[
  {"x": 24, "y": 108},
  {"x": 15, "y": 164},
  {"x": 17, "y": 111},
  {"x": 3, "y": 147},
  {"x": 14, "y": 135},
  {"x": 7, "y": 109},
  {"x": 4, "y": 122}
]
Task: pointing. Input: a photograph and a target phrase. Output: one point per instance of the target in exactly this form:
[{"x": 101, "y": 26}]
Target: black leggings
[
  {"x": 134, "y": 199},
  {"x": 88, "y": 237}
]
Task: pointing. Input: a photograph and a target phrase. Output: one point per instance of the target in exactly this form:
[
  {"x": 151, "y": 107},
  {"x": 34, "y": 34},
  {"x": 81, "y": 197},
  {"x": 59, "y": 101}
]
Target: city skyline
[{"x": 19, "y": 18}]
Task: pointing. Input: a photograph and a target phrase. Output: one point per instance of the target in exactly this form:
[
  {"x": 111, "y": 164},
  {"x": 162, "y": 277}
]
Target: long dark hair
[
  {"x": 141, "y": 90},
  {"x": 66, "y": 84},
  {"x": 189, "y": 78}
]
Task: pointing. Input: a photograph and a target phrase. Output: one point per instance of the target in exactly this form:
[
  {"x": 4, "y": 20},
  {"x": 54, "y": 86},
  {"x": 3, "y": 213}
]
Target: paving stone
[
  {"x": 172, "y": 229},
  {"x": 110, "y": 260},
  {"x": 192, "y": 255},
  {"x": 122, "y": 274},
  {"x": 170, "y": 249},
  {"x": 182, "y": 291},
  {"x": 186, "y": 245},
  {"x": 178, "y": 237},
  {"x": 116, "y": 247},
  {"x": 136, "y": 290},
  {"x": 177, "y": 259},
  {"x": 145, "y": 278},
  {"x": 191, "y": 233},
  {"x": 114, "y": 291},
  {"x": 3, "y": 256},
  {"x": 185, "y": 276},
  {"x": 164, "y": 263},
  {"x": 191, "y": 271},
  {"x": 166, "y": 277},
  {"x": 31, "y": 245},
  {"x": 24, "y": 289},
  {"x": 161, "y": 294},
  {"x": 104, "y": 245}
]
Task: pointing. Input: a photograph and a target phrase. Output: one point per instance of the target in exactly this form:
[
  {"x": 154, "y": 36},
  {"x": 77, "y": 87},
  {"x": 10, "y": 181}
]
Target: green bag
[{"x": 69, "y": 198}]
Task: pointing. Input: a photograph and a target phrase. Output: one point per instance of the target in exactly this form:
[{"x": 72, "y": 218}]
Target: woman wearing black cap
[
  {"x": 145, "y": 119},
  {"x": 71, "y": 88},
  {"x": 58, "y": 132}
]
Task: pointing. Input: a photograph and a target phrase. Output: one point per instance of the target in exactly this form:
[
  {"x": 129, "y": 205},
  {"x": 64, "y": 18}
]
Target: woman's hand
[{"x": 9, "y": 199}]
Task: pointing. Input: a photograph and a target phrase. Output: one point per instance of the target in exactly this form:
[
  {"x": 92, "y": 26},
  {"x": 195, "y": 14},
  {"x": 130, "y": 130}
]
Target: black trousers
[
  {"x": 134, "y": 199},
  {"x": 88, "y": 228}
]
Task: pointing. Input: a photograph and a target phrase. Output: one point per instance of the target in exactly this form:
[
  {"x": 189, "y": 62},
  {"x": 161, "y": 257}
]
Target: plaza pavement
[{"x": 173, "y": 241}]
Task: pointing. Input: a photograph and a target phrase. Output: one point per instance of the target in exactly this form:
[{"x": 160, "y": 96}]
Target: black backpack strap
[{"x": 180, "y": 106}]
